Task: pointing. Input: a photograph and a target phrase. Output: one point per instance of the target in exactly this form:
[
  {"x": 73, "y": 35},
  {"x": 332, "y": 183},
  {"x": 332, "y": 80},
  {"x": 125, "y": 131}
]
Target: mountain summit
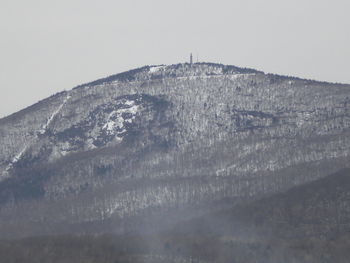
[{"x": 160, "y": 144}]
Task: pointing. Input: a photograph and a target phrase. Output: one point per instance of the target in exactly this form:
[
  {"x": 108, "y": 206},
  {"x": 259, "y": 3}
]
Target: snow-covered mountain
[{"x": 174, "y": 140}]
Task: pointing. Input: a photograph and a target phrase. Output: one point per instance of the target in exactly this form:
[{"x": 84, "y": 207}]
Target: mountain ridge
[
  {"x": 161, "y": 138},
  {"x": 119, "y": 76}
]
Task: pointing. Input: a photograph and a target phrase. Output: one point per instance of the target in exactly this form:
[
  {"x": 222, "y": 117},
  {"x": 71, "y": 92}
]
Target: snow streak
[
  {"x": 53, "y": 115},
  {"x": 41, "y": 131}
]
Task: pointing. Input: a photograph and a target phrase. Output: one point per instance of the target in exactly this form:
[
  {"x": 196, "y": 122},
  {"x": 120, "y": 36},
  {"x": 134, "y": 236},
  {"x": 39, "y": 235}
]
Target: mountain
[{"x": 141, "y": 151}]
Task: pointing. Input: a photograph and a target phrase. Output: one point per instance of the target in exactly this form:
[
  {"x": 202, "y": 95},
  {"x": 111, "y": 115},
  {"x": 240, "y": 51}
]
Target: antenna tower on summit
[{"x": 191, "y": 59}]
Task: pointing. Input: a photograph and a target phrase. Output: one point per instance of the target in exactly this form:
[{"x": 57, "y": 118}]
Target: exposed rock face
[{"x": 167, "y": 137}]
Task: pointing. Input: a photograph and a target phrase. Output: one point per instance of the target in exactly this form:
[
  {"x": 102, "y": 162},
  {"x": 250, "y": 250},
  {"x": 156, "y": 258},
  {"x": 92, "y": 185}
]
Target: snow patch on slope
[
  {"x": 53, "y": 115},
  {"x": 13, "y": 161},
  {"x": 155, "y": 69},
  {"x": 116, "y": 120}
]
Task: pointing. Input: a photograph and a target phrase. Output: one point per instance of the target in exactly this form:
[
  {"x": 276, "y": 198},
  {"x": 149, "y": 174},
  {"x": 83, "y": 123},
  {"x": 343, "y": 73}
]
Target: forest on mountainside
[{"x": 307, "y": 224}]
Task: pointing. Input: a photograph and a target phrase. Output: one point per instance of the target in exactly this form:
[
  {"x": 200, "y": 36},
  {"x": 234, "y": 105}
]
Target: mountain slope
[
  {"x": 318, "y": 209},
  {"x": 308, "y": 223},
  {"x": 172, "y": 140}
]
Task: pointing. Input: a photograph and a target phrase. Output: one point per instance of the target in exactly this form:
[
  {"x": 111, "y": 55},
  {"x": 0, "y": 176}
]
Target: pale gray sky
[{"x": 47, "y": 46}]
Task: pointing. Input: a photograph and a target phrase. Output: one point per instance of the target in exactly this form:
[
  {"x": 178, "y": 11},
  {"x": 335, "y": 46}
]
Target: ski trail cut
[
  {"x": 42, "y": 131},
  {"x": 53, "y": 115}
]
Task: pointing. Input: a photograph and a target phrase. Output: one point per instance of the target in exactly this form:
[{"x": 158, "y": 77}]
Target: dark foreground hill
[{"x": 304, "y": 225}]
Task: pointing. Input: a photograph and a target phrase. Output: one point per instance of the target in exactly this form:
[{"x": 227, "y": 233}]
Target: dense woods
[
  {"x": 307, "y": 224},
  {"x": 118, "y": 249},
  {"x": 165, "y": 142}
]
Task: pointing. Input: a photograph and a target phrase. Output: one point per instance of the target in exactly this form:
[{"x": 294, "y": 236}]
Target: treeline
[{"x": 184, "y": 248}]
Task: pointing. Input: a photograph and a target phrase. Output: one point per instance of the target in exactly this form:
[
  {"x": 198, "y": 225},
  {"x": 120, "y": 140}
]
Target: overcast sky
[{"x": 48, "y": 46}]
